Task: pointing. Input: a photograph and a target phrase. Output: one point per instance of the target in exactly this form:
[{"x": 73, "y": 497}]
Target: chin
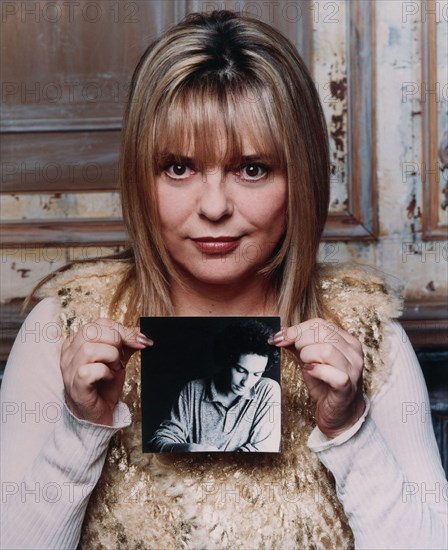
[
  {"x": 217, "y": 277},
  {"x": 217, "y": 272}
]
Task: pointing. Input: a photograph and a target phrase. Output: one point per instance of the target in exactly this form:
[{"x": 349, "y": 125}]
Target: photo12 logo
[
  {"x": 420, "y": 12},
  {"x": 425, "y": 251},
  {"x": 318, "y": 11},
  {"x": 117, "y": 11},
  {"x": 424, "y": 91}
]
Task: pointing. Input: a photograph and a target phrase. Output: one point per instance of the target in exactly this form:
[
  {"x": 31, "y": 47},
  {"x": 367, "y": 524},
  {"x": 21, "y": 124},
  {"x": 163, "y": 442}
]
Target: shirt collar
[{"x": 212, "y": 394}]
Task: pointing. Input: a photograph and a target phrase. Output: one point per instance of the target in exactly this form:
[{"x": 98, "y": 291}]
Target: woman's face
[{"x": 222, "y": 224}]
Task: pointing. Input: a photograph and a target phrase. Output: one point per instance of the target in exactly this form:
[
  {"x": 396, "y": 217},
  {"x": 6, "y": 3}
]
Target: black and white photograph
[{"x": 211, "y": 384}]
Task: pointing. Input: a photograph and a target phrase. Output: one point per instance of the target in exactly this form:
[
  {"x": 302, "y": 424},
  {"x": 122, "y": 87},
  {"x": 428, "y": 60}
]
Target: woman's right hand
[{"x": 93, "y": 367}]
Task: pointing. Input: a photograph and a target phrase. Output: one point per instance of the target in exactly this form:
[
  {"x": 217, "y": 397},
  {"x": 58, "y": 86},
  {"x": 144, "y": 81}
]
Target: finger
[
  {"x": 87, "y": 376},
  {"x": 129, "y": 336},
  {"x": 330, "y": 333},
  {"x": 304, "y": 334},
  {"x": 335, "y": 378},
  {"x": 114, "y": 333},
  {"x": 90, "y": 333},
  {"x": 99, "y": 353},
  {"x": 69, "y": 340},
  {"x": 348, "y": 344},
  {"x": 133, "y": 338},
  {"x": 316, "y": 331},
  {"x": 326, "y": 354},
  {"x": 127, "y": 340},
  {"x": 109, "y": 332}
]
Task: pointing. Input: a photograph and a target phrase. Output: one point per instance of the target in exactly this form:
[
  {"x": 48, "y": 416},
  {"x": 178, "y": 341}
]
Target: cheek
[
  {"x": 277, "y": 214},
  {"x": 173, "y": 207},
  {"x": 269, "y": 208}
]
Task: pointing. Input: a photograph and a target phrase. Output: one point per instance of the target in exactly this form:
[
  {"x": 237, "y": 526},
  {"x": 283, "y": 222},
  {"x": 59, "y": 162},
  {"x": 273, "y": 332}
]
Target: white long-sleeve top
[{"x": 387, "y": 467}]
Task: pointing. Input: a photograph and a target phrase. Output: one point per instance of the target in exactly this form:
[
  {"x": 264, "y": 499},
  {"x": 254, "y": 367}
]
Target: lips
[{"x": 217, "y": 245}]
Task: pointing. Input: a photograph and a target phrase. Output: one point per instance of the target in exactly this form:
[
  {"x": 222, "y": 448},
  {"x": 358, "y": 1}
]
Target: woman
[
  {"x": 224, "y": 179},
  {"x": 235, "y": 409}
]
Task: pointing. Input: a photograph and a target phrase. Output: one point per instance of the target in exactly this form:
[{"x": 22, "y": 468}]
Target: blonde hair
[{"x": 227, "y": 68}]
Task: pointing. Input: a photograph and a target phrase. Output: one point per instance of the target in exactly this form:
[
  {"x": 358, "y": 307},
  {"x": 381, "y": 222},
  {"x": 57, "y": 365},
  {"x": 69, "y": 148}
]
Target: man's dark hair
[{"x": 241, "y": 338}]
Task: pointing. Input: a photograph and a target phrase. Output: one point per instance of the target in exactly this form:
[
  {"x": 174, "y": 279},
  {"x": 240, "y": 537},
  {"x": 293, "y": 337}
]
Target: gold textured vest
[{"x": 235, "y": 501}]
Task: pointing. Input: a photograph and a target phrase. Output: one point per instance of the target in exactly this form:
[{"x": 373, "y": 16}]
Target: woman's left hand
[{"x": 332, "y": 370}]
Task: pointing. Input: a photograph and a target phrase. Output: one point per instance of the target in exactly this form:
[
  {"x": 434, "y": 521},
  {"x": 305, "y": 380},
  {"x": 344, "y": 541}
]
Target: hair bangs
[{"x": 213, "y": 124}]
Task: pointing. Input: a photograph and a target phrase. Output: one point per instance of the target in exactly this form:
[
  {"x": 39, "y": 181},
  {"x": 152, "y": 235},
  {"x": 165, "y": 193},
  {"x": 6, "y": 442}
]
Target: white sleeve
[
  {"x": 389, "y": 477},
  {"x": 50, "y": 461}
]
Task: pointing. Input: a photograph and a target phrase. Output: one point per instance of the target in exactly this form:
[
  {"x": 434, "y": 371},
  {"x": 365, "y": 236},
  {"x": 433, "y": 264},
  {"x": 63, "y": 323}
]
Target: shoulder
[
  {"x": 195, "y": 387},
  {"x": 197, "y": 384},
  {"x": 268, "y": 387},
  {"x": 46, "y": 310},
  {"x": 33, "y": 369},
  {"x": 346, "y": 288},
  {"x": 41, "y": 329},
  {"x": 359, "y": 298},
  {"x": 406, "y": 374},
  {"x": 80, "y": 276},
  {"x": 84, "y": 290}
]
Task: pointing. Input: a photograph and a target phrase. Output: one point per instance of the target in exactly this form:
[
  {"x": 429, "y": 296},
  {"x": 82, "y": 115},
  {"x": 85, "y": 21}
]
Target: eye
[
  {"x": 177, "y": 171},
  {"x": 240, "y": 370},
  {"x": 254, "y": 171}
]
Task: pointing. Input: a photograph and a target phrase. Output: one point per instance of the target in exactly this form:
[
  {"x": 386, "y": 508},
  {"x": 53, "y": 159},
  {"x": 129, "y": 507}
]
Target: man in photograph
[{"x": 236, "y": 409}]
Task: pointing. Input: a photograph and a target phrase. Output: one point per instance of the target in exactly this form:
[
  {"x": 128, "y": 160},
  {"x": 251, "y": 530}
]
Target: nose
[
  {"x": 243, "y": 381},
  {"x": 214, "y": 202}
]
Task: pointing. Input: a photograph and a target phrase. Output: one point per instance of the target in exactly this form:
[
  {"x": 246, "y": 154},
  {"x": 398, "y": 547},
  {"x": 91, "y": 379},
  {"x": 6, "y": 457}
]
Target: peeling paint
[
  {"x": 411, "y": 207},
  {"x": 47, "y": 206},
  {"x": 443, "y": 150},
  {"x": 430, "y": 286},
  {"x": 394, "y": 36},
  {"x": 330, "y": 73},
  {"x": 334, "y": 204},
  {"x": 444, "y": 204},
  {"x": 23, "y": 272},
  {"x": 337, "y": 132}
]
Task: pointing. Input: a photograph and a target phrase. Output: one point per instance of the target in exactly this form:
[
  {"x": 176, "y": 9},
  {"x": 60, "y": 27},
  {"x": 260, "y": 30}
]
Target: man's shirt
[{"x": 251, "y": 423}]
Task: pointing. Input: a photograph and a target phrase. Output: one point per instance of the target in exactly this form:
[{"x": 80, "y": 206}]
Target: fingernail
[
  {"x": 277, "y": 338},
  {"x": 142, "y": 339},
  {"x": 308, "y": 366}
]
